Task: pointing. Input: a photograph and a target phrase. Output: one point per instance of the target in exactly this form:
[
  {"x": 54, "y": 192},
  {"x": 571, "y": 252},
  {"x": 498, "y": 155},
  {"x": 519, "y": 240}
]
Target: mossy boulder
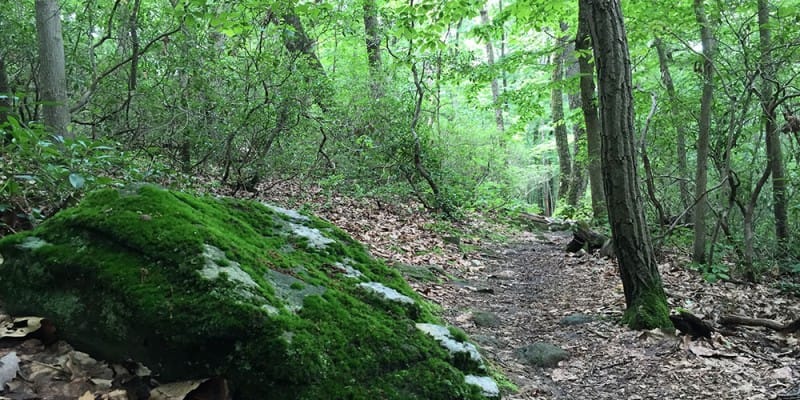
[{"x": 283, "y": 305}]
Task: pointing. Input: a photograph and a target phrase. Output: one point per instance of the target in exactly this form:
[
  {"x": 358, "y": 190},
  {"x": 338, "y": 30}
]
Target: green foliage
[
  {"x": 712, "y": 272},
  {"x": 40, "y": 173}
]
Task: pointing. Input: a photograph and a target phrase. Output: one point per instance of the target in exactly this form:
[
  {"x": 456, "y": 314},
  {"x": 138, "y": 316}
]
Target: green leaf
[{"x": 76, "y": 180}]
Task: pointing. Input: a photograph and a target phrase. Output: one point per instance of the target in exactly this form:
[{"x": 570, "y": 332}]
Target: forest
[{"x": 672, "y": 128}]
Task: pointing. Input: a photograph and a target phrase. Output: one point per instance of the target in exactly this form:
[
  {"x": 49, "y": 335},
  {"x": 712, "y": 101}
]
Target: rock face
[{"x": 283, "y": 305}]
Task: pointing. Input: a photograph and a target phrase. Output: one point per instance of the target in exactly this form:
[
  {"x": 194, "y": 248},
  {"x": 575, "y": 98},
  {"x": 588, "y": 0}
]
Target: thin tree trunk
[
  {"x": 419, "y": 166},
  {"x": 589, "y": 107},
  {"x": 644, "y": 294},
  {"x": 578, "y": 178},
  {"x": 502, "y": 55},
  {"x": 498, "y": 107},
  {"x": 6, "y": 95},
  {"x": 704, "y": 125},
  {"x": 373, "y": 44},
  {"x": 680, "y": 128},
  {"x": 52, "y": 73},
  {"x": 774, "y": 151},
  {"x": 557, "y": 116}
]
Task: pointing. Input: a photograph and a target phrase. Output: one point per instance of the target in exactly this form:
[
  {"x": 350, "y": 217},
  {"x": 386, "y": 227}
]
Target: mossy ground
[{"x": 119, "y": 276}]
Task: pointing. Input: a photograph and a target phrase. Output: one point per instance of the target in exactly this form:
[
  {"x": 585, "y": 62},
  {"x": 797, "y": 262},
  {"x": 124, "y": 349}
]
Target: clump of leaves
[
  {"x": 41, "y": 173},
  {"x": 712, "y": 272},
  {"x": 788, "y": 287}
]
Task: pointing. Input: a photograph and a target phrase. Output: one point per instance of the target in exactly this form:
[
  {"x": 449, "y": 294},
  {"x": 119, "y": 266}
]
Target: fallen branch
[{"x": 766, "y": 323}]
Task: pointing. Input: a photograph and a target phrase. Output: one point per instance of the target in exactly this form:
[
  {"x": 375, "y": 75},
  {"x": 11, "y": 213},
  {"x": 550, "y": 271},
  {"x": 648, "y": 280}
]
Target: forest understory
[{"x": 523, "y": 285}]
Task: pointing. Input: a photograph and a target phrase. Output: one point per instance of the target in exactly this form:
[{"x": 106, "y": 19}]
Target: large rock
[{"x": 283, "y": 305}]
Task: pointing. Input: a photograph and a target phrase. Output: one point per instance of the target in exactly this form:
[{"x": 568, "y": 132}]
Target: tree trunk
[
  {"x": 6, "y": 95},
  {"x": 557, "y": 114},
  {"x": 774, "y": 151},
  {"x": 589, "y": 107},
  {"x": 373, "y": 44},
  {"x": 578, "y": 178},
  {"x": 498, "y": 107},
  {"x": 680, "y": 128},
  {"x": 52, "y": 73},
  {"x": 704, "y": 125},
  {"x": 644, "y": 294}
]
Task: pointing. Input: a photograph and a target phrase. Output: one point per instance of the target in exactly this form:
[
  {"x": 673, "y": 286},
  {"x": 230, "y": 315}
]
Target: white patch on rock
[
  {"x": 349, "y": 270},
  {"x": 315, "y": 238},
  {"x": 488, "y": 386},
  {"x": 445, "y": 338},
  {"x": 386, "y": 292},
  {"x": 286, "y": 212},
  {"x": 9, "y": 366},
  {"x": 32, "y": 243},
  {"x": 212, "y": 269},
  {"x": 270, "y": 310}
]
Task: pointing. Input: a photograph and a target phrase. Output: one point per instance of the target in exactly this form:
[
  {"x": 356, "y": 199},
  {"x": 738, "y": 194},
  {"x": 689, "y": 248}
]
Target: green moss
[
  {"x": 120, "y": 275},
  {"x": 650, "y": 311},
  {"x": 458, "y": 334}
]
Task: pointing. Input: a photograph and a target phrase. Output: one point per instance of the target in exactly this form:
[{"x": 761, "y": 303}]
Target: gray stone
[
  {"x": 486, "y": 319},
  {"x": 576, "y": 319},
  {"x": 541, "y": 354}
]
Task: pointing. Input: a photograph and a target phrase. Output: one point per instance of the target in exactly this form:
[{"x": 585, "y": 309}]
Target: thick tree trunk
[
  {"x": 774, "y": 151},
  {"x": 589, "y": 107},
  {"x": 557, "y": 116},
  {"x": 644, "y": 294},
  {"x": 373, "y": 44},
  {"x": 680, "y": 128},
  {"x": 52, "y": 73},
  {"x": 704, "y": 125},
  {"x": 498, "y": 107}
]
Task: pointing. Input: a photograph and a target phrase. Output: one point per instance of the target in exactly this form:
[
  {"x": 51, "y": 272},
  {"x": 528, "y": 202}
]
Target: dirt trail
[{"x": 530, "y": 285}]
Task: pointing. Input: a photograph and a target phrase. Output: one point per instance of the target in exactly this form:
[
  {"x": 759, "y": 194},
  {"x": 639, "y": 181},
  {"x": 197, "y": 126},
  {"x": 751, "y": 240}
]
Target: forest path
[{"x": 530, "y": 284}]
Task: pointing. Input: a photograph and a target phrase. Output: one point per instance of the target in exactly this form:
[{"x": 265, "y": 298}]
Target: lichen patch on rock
[{"x": 386, "y": 292}]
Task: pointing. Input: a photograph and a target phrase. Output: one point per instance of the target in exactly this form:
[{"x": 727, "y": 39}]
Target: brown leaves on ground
[{"x": 530, "y": 284}]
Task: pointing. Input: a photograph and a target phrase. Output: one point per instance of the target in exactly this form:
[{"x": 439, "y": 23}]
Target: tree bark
[
  {"x": 773, "y": 141},
  {"x": 6, "y": 95},
  {"x": 704, "y": 125},
  {"x": 498, "y": 107},
  {"x": 298, "y": 41},
  {"x": 589, "y": 107},
  {"x": 680, "y": 128},
  {"x": 557, "y": 116},
  {"x": 644, "y": 293},
  {"x": 52, "y": 73},
  {"x": 577, "y": 185},
  {"x": 373, "y": 44}
]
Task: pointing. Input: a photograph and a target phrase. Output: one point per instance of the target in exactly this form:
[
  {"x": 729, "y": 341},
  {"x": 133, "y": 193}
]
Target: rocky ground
[{"x": 509, "y": 290}]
